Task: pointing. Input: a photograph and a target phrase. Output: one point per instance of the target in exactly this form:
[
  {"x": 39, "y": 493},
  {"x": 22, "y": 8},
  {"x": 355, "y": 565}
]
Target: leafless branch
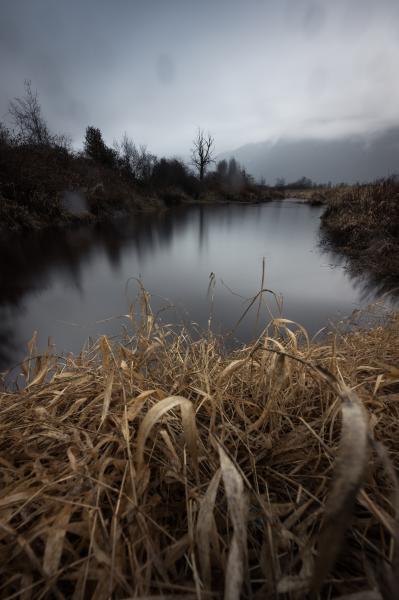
[
  {"x": 27, "y": 118},
  {"x": 202, "y": 152}
]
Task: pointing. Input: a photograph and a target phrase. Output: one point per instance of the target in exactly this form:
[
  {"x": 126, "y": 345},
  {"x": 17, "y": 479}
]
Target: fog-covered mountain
[{"x": 348, "y": 159}]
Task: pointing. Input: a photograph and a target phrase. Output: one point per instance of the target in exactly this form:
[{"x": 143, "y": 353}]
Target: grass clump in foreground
[
  {"x": 363, "y": 223},
  {"x": 168, "y": 468}
]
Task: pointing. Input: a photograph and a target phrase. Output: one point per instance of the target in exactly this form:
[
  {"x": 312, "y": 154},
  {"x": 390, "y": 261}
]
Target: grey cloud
[
  {"x": 314, "y": 18},
  {"x": 247, "y": 71},
  {"x": 166, "y": 69}
]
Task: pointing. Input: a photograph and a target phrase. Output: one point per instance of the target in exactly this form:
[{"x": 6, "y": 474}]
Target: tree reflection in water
[{"x": 79, "y": 275}]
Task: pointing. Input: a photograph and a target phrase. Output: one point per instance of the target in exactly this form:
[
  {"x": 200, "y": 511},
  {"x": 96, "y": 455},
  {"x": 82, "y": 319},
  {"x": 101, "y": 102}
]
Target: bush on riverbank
[
  {"x": 165, "y": 465},
  {"x": 363, "y": 223},
  {"x": 43, "y": 182},
  {"x": 34, "y": 179}
]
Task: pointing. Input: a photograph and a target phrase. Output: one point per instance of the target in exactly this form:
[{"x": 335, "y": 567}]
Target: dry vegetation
[
  {"x": 39, "y": 168},
  {"x": 317, "y": 196},
  {"x": 363, "y": 223},
  {"x": 33, "y": 180},
  {"x": 165, "y": 467}
]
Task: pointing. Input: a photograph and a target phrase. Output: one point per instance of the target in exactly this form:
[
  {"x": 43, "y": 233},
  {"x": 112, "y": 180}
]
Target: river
[{"x": 69, "y": 285}]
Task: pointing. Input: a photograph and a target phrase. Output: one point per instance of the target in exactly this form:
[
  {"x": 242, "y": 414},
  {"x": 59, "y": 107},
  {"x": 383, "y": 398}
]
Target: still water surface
[{"x": 65, "y": 284}]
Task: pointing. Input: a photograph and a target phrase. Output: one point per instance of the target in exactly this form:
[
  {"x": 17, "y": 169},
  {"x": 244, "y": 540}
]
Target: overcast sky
[{"x": 247, "y": 70}]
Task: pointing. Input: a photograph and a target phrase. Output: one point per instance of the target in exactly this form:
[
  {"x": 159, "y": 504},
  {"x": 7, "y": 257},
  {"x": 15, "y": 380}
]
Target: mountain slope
[{"x": 348, "y": 159}]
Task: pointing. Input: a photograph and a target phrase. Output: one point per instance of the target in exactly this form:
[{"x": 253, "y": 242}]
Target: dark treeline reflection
[
  {"x": 30, "y": 263},
  {"x": 63, "y": 282}
]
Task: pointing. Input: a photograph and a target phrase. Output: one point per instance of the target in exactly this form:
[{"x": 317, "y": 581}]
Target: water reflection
[
  {"x": 62, "y": 283},
  {"x": 368, "y": 284}
]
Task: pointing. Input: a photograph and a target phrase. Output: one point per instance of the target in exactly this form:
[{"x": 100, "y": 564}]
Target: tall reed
[{"x": 165, "y": 467}]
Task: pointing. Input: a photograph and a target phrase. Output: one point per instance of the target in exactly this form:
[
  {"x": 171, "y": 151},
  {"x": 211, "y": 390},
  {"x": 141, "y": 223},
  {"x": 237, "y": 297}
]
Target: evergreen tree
[{"x": 96, "y": 149}]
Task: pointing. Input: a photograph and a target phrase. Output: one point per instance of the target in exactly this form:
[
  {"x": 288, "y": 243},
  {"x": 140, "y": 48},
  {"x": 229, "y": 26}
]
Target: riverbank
[
  {"x": 165, "y": 465},
  {"x": 317, "y": 196},
  {"x": 45, "y": 186},
  {"x": 363, "y": 224}
]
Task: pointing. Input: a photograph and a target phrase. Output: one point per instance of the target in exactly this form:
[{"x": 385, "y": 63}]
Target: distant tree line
[
  {"x": 303, "y": 183},
  {"x": 135, "y": 163}
]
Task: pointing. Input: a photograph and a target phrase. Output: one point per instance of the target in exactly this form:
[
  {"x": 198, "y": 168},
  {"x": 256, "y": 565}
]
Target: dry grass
[
  {"x": 168, "y": 468},
  {"x": 363, "y": 223}
]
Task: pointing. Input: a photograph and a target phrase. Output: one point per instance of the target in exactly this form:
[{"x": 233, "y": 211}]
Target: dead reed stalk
[{"x": 165, "y": 467}]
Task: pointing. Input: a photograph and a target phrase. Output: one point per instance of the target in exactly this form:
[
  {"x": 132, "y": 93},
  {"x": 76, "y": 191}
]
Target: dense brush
[{"x": 363, "y": 223}]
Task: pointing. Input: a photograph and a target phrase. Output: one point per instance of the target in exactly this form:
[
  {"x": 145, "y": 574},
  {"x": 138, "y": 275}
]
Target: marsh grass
[
  {"x": 363, "y": 223},
  {"x": 166, "y": 467}
]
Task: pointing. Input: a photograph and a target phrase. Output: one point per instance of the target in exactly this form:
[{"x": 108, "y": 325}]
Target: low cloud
[{"x": 247, "y": 71}]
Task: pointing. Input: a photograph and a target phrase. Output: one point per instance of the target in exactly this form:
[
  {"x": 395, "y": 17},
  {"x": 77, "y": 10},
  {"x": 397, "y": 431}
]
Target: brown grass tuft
[{"x": 167, "y": 468}]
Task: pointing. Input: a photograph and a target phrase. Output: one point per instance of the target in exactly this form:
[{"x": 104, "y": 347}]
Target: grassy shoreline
[
  {"x": 15, "y": 219},
  {"x": 165, "y": 465},
  {"x": 363, "y": 224}
]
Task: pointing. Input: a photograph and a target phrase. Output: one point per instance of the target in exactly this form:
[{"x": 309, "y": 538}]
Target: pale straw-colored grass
[{"x": 165, "y": 467}]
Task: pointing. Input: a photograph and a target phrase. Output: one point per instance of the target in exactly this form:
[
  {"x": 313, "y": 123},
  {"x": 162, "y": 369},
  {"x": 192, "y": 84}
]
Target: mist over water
[{"x": 64, "y": 284}]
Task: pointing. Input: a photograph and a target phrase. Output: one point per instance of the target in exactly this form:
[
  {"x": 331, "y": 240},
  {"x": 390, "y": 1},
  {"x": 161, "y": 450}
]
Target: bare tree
[
  {"x": 137, "y": 161},
  {"x": 5, "y": 136},
  {"x": 27, "y": 117},
  {"x": 127, "y": 152},
  {"x": 145, "y": 164},
  {"x": 62, "y": 141},
  {"x": 202, "y": 152}
]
